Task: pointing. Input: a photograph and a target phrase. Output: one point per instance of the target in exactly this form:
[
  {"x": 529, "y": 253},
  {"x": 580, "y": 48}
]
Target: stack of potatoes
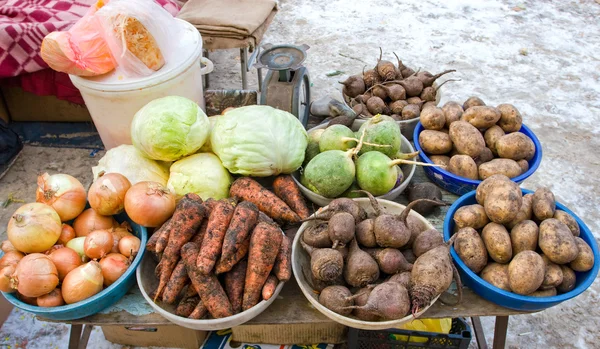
[
  {"x": 520, "y": 244},
  {"x": 474, "y": 140}
]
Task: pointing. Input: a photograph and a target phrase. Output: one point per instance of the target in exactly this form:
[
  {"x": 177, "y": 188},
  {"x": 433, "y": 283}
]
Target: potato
[
  {"x": 433, "y": 118},
  {"x": 544, "y": 293},
  {"x": 445, "y": 130},
  {"x": 557, "y": 242},
  {"x": 524, "y": 236},
  {"x": 507, "y": 167},
  {"x": 503, "y": 202},
  {"x": 492, "y": 135},
  {"x": 467, "y": 139},
  {"x": 568, "y": 220},
  {"x": 497, "y": 275},
  {"x": 471, "y": 216},
  {"x": 524, "y": 213},
  {"x": 497, "y": 242},
  {"x": 464, "y": 166},
  {"x": 585, "y": 257},
  {"x": 553, "y": 276},
  {"x": 440, "y": 159},
  {"x": 484, "y": 187},
  {"x": 569, "y": 279},
  {"x": 452, "y": 112},
  {"x": 515, "y": 146},
  {"x": 510, "y": 118},
  {"x": 483, "y": 157},
  {"x": 526, "y": 272},
  {"x": 524, "y": 165},
  {"x": 435, "y": 142},
  {"x": 472, "y": 102},
  {"x": 544, "y": 204},
  {"x": 481, "y": 117},
  {"x": 470, "y": 248}
]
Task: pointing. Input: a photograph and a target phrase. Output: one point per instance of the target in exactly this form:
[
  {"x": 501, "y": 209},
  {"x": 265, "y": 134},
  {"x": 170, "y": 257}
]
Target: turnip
[
  {"x": 341, "y": 228},
  {"x": 388, "y": 300},
  {"x": 326, "y": 264},
  {"x": 360, "y": 269},
  {"x": 385, "y": 69},
  {"x": 353, "y": 86},
  {"x": 337, "y": 299},
  {"x": 337, "y": 137}
]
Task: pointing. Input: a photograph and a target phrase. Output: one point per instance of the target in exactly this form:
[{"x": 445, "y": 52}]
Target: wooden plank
[
  {"x": 479, "y": 334},
  {"x": 500, "y": 332}
]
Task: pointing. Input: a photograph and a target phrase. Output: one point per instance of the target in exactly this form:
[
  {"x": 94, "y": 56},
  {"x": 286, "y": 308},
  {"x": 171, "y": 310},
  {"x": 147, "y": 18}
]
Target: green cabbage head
[
  {"x": 259, "y": 141},
  {"x": 169, "y": 128},
  {"x": 202, "y": 174},
  {"x": 131, "y": 163}
]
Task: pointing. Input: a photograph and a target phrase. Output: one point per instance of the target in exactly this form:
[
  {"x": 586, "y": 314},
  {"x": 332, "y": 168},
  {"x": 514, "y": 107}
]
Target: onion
[
  {"x": 77, "y": 246},
  {"x": 11, "y": 258},
  {"x": 107, "y": 194},
  {"x": 7, "y": 246},
  {"x": 63, "y": 192},
  {"x": 25, "y": 299},
  {"x": 67, "y": 233},
  {"x": 82, "y": 282},
  {"x": 35, "y": 275},
  {"x": 52, "y": 299},
  {"x": 65, "y": 260},
  {"x": 5, "y": 275},
  {"x": 98, "y": 244},
  {"x": 90, "y": 220},
  {"x": 149, "y": 204},
  {"x": 113, "y": 266},
  {"x": 119, "y": 233},
  {"x": 53, "y": 248},
  {"x": 129, "y": 246},
  {"x": 34, "y": 228}
]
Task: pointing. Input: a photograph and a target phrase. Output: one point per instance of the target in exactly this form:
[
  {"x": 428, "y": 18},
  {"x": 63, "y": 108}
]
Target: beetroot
[
  {"x": 376, "y": 105},
  {"x": 390, "y": 260},
  {"x": 391, "y": 230},
  {"x": 361, "y": 269},
  {"x": 411, "y": 111},
  {"x": 371, "y": 77},
  {"x": 403, "y": 278},
  {"x": 317, "y": 235},
  {"x": 341, "y": 228},
  {"x": 364, "y": 233},
  {"x": 326, "y": 264},
  {"x": 427, "y": 78},
  {"x": 360, "y": 299},
  {"x": 379, "y": 91},
  {"x": 385, "y": 69},
  {"x": 388, "y": 300},
  {"x": 412, "y": 85},
  {"x": 337, "y": 299},
  {"x": 397, "y": 106},
  {"x": 353, "y": 86}
]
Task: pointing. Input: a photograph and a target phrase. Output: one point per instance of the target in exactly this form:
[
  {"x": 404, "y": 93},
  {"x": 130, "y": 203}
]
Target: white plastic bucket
[{"x": 113, "y": 101}]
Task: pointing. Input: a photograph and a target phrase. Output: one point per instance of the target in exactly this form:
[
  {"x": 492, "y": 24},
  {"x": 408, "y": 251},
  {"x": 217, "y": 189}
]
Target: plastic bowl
[
  {"x": 301, "y": 263},
  {"x": 407, "y": 173},
  {"x": 98, "y": 302},
  {"x": 461, "y": 185},
  {"x": 148, "y": 282},
  {"x": 407, "y": 127},
  {"x": 513, "y": 300}
]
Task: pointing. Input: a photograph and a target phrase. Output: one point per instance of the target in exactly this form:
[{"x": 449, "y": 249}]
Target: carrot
[
  {"x": 199, "y": 311},
  {"x": 243, "y": 221},
  {"x": 234, "y": 285},
  {"x": 177, "y": 282},
  {"x": 151, "y": 244},
  {"x": 157, "y": 270},
  {"x": 186, "y": 220},
  {"x": 190, "y": 292},
  {"x": 269, "y": 287},
  {"x": 218, "y": 221},
  {"x": 262, "y": 217},
  {"x": 264, "y": 247},
  {"x": 209, "y": 289},
  {"x": 187, "y": 305},
  {"x": 162, "y": 236},
  {"x": 248, "y": 189},
  {"x": 287, "y": 190},
  {"x": 222, "y": 266},
  {"x": 283, "y": 263}
]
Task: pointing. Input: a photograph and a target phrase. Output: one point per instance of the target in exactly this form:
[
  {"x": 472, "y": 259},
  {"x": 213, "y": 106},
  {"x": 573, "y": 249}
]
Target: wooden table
[{"x": 291, "y": 307}]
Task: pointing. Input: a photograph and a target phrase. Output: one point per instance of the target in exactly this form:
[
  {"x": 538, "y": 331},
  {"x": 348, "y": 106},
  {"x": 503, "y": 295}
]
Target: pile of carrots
[{"x": 230, "y": 253}]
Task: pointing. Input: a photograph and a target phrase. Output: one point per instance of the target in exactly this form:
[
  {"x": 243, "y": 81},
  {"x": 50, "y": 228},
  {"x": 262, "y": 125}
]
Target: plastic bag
[
  {"x": 424, "y": 325},
  {"x": 81, "y": 50},
  {"x": 120, "y": 23}
]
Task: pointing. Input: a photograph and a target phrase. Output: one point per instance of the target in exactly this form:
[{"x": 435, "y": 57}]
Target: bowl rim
[
  {"x": 69, "y": 307},
  {"x": 537, "y": 157},
  {"x": 349, "y": 321},
  {"x": 448, "y": 221},
  {"x": 413, "y": 168}
]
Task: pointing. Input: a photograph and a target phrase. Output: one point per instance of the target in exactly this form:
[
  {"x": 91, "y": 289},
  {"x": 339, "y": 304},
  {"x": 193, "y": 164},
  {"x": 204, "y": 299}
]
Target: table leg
[
  {"x": 500, "y": 330},
  {"x": 244, "y": 64},
  {"x": 75, "y": 336},
  {"x": 478, "y": 330}
]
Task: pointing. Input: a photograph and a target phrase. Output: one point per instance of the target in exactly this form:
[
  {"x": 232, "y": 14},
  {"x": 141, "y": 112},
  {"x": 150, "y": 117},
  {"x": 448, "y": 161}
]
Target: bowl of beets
[{"x": 394, "y": 90}]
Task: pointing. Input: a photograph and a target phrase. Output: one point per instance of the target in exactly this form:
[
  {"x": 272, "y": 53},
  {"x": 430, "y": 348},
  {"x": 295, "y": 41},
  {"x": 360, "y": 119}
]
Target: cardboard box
[
  {"x": 300, "y": 334},
  {"x": 157, "y": 336},
  {"x": 224, "y": 340},
  {"x": 25, "y": 106}
]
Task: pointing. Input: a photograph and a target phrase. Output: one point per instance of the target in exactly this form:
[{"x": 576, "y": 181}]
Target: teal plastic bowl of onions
[{"x": 100, "y": 301}]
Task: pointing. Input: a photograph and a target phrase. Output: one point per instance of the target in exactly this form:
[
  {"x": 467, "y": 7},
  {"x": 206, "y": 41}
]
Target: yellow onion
[
  {"x": 7, "y": 246},
  {"x": 34, "y": 228},
  {"x": 129, "y": 246},
  {"x": 65, "y": 260},
  {"x": 64, "y": 193},
  {"x": 89, "y": 220},
  {"x": 35, "y": 275},
  {"x": 67, "y": 233},
  {"x": 11, "y": 258},
  {"x": 107, "y": 194},
  {"x": 52, "y": 299},
  {"x": 5, "y": 278},
  {"x": 98, "y": 244},
  {"x": 82, "y": 282},
  {"x": 113, "y": 266},
  {"x": 149, "y": 204}
]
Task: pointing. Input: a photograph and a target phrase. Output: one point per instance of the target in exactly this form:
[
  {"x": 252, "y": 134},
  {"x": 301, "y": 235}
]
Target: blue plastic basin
[
  {"x": 509, "y": 299},
  {"x": 98, "y": 302},
  {"x": 461, "y": 185}
]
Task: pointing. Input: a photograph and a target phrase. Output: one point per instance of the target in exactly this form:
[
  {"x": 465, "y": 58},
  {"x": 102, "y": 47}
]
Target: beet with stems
[
  {"x": 371, "y": 77},
  {"x": 385, "y": 69},
  {"x": 390, "y": 260},
  {"x": 416, "y": 101},
  {"x": 320, "y": 285},
  {"x": 364, "y": 233},
  {"x": 360, "y": 269},
  {"x": 353, "y": 86},
  {"x": 317, "y": 235},
  {"x": 376, "y": 105},
  {"x": 409, "y": 255},
  {"x": 430, "y": 93},
  {"x": 397, "y": 106},
  {"x": 427, "y": 240},
  {"x": 326, "y": 264},
  {"x": 411, "y": 111},
  {"x": 428, "y": 79},
  {"x": 361, "y": 297},
  {"x": 379, "y": 91},
  {"x": 341, "y": 228},
  {"x": 424, "y": 190},
  {"x": 403, "y": 278},
  {"x": 337, "y": 299},
  {"x": 388, "y": 300},
  {"x": 342, "y": 205},
  {"x": 412, "y": 85}
]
